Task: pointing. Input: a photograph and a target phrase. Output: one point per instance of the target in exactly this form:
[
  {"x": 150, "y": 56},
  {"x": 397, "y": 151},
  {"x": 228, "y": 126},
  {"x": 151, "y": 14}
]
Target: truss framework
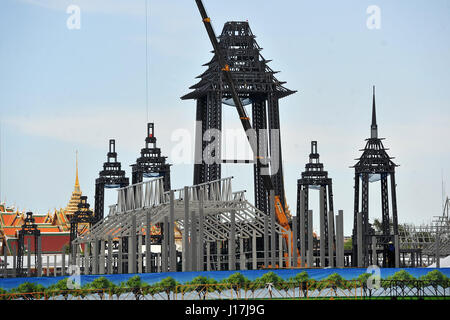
[{"x": 218, "y": 204}]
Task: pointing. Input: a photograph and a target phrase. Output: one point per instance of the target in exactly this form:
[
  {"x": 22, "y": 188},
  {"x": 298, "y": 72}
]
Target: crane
[{"x": 245, "y": 121}]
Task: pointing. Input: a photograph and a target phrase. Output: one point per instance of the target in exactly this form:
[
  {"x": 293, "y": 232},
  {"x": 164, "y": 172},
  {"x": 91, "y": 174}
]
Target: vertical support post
[
  {"x": 310, "y": 240},
  {"x": 397, "y": 250},
  {"x": 322, "y": 226},
  {"x": 340, "y": 239},
  {"x": 172, "y": 248},
  {"x": 5, "y": 262},
  {"x": 48, "y": 266},
  {"x": 193, "y": 248},
  {"x": 359, "y": 241},
  {"x": 109, "y": 265},
  {"x": 295, "y": 240},
  {"x": 437, "y": 249},
  {"x": 302, "y": 233},
  {"x": 266, "y": 241},
  {"x": 158, "y": 262},
  {"x": 63, "y": 262},
  {"x": 374, "y": 251},
  {"x": 148, "y": 253},
  {"x": 185, "y": 254},
  {"x": 200, "y": 253},
  {"x": 39, "y": 259},
  {"x": 139, "y": 252},
  {"x": 28, "y": 259},
  {"x": 55, "y": 267},
  {"x": 94, "y": 254},
  {"x": 208, "y": 256},
  {"x": 219, "y": 257},
  {"x": 164, "y": 245},
  {"x": 272, "y": 229},
  {"x": 280, "y": 252},
  {"x": 232, "y": 242},
  {"x": 15, "y": 264},
  {"x": 289, "y": 262},
  {"x": 331, "y": 239},
  {"x": 101, "y": 269},
  {"x": 132, "y": 246},
  {"x": 243, "y": 265},
  {"x": 254, "y": 253},
  {"x": 120, "y": 257}
]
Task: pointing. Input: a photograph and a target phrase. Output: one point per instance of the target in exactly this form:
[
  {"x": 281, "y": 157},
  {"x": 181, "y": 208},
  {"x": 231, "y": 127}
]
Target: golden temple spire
[
  {"x": 72, "y": 206},
  {"x": 77, "y": 182}
]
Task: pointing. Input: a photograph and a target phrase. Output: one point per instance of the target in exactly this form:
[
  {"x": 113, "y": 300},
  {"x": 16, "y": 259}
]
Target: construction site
[{"x": 209, "y": 226}]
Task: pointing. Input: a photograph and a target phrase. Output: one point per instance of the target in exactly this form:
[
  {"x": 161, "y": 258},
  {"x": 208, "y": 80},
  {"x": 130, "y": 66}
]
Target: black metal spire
[{"x": 374, "y": 127}]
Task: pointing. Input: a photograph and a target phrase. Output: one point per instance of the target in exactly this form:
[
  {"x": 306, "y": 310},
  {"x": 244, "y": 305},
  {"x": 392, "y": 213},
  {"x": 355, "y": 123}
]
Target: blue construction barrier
[{"x": 183, "y": 277}]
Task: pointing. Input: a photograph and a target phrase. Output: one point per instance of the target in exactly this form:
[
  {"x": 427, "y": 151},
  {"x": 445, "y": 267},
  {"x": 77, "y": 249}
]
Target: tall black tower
[
  {"x": 373, "y": 165},
  {"x": 256, "y": 86},
  {"x": 315, "y": 177},
  {"x": 83, "y": 215},
  {"x": 112, "y": 176},
  {"x": 151, "y": 163},
  {"x": 29, "y": 228}
]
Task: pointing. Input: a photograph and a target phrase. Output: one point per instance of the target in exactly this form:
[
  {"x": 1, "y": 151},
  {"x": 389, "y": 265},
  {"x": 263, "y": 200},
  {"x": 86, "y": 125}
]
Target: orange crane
[{"x": 245, "y": 121}]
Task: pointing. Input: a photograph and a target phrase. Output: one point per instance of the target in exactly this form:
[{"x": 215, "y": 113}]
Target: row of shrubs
[{"x": 236, "y": 281}]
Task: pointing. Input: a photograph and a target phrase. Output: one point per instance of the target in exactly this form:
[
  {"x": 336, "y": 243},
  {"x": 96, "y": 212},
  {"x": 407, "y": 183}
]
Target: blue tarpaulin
[{"x": 183, "y": 277}]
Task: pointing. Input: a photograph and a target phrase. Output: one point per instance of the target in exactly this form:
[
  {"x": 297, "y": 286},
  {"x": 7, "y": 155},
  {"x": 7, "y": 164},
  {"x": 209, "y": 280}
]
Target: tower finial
[
  {"x": 77, "y": 182},
  {"x": 374, "y": 127}
]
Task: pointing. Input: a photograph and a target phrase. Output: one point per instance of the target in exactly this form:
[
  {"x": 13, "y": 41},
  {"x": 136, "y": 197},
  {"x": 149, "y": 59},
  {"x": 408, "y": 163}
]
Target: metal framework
[
  {"x": 424, "y": 244},
  {"x": 110, "y": 177},
  {"x": 84, "y": 216},
  {"x": 255, "y": 85},
  {"x": 314, "y": 177},
  {"x": 373, "y": 165},
  {"x": 29, "y": 228},
  {"x": 227, "y": 215},
  {"x": 151, "y": 164}
]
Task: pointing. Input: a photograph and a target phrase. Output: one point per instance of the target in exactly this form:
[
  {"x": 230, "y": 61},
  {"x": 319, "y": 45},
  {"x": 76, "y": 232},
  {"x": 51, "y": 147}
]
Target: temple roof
[{"x": 72, "y": 206}]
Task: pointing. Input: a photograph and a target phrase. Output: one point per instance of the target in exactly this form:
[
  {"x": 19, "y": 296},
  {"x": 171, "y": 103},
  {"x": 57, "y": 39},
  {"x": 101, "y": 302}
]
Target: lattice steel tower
[
  {"x": 373, "y": 165},
  {"x": 151, "y": 163},
  {"x": 112, "y": 176},
  {"x": 315, "y": 177},
  {"x": 29, "y": 228},
  {"x": 256, "y": 86}
]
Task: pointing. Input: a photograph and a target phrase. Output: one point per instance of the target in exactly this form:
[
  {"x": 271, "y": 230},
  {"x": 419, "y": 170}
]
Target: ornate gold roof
[{"x": 72, "y": 206}]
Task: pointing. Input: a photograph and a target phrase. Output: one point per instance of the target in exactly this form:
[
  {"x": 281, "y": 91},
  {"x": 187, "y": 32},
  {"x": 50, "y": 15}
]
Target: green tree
[
  {"x": 202, "y": 285},
  {"x": 237, "y": 281},
  {"x": 135, "y": 284},
  {"x": 58, "y": 288},
  {"x": 167, "y": 285},
  {"x": 401, "y": 279},
  {"x": 30, "y": 290},
  {"x": 270, "y": 280},
  {"x": 348, "y": 245},
  {"x": 333, "y": 281},
  {"x": 100, "y": 285},
  {"x": 302, "y": 281},
  {"x": 3, "y": 294},
  {"x": 435, "y": 279}
]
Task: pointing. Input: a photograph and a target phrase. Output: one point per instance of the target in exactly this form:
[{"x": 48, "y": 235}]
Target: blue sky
[{"x": 64, "y": 90}]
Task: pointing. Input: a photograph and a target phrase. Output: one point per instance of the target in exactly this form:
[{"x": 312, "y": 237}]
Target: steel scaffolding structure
[
  {"x": 315, "y": 177},
  {"x": 151, "y": 164},
  {"x": 426, "y": 244},
  {"x": 374, "y": 164},
  {"x": 112, "y": 176},
  {"x": 214, "y": 222},
  {"x": 255, "y": 85}
]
